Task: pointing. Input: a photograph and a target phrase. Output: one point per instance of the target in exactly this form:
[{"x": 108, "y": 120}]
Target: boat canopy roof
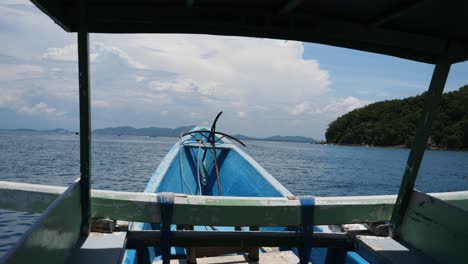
[{"x": 421, "y": 30}]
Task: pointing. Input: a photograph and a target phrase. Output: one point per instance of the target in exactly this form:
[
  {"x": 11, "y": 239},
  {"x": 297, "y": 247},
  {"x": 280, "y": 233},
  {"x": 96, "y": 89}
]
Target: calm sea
[{"x": 126, "y": 163}]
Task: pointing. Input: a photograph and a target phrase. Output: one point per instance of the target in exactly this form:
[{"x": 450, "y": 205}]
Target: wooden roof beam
[
  {"x": 395, "y": 12},
  {"x": 290, "y": 6},
  {"x": 189, "y": 3}
]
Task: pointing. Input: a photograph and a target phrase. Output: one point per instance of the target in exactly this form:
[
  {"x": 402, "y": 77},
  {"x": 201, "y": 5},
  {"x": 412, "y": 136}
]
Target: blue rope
[
  {"x": 166, "y": 202},
  {"x": 307, "y": 217}
]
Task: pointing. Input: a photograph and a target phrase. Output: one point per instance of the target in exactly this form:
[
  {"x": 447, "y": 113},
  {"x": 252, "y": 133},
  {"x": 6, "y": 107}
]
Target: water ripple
[{"x": 126, "y": 164}]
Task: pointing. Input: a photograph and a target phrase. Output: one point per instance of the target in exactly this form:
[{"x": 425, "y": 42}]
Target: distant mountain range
[
  {"x": 166, "y": 132},
  {"x": 176, "y": 132},
  {"x": 56, "y": 130},
  {"x": 279, "y": 138},
  {"x": 147, "y": 131}
]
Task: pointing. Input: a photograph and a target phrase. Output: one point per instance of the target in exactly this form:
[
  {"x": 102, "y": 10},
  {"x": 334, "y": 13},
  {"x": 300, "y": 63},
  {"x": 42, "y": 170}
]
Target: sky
[{"x": 265, "y": 87}]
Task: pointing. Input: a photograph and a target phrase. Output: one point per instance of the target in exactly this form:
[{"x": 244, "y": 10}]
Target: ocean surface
[{"x": 126, "y": 163}]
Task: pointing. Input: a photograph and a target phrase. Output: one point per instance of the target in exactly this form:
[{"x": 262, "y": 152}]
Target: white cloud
[
  {"x": 11, "y": 72},
  {"x": 15, "y": 2},
  {"x": 10, "y": 100},
  {"x": 241, "y": 114},
  {"x": 182, "y": 79},
  {"x": 252, "y": 70},
  {"x": 341, "y": 106},
  {"x": 179, "y": 86},
  {"x": 299, "y": 108},
  {"x": 98, "y": 52},
  {"x": 100, "y": 104},
  {"x": 101, "y": 51},
  {"x": 39, "y": 109},
  {"x": 14, "y": 101},
  {"x": 67, "y": 53}
]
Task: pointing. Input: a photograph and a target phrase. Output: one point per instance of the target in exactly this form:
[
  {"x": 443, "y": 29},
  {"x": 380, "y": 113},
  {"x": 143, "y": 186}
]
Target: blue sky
[{"x": 265, "y": 87}]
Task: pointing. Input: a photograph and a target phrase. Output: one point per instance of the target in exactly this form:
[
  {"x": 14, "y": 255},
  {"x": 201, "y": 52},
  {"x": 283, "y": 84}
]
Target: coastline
[{"x": 429, "y": 147}]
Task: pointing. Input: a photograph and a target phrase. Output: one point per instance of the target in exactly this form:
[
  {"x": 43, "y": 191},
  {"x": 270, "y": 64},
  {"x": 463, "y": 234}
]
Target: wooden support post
[
  {"x": 254, "y": 252},
  {"x": 191, "y": 251},
  {"x": 431, "y": 104},
  {"x": 85, "y": 119}
]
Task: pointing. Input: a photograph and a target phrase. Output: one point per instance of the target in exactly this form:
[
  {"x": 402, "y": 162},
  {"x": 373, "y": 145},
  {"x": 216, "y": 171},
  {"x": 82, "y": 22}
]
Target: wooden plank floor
[{"x": 281, "y": 257}]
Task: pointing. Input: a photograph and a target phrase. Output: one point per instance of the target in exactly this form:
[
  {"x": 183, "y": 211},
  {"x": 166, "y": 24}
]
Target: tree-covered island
[{"x": 393, "y": 123}]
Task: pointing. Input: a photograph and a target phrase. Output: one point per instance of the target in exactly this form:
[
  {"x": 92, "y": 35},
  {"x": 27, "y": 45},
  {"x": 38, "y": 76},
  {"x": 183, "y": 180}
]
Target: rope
[
  {"x": 198, "y": 166},
  {"x": 182, "y": 167}
]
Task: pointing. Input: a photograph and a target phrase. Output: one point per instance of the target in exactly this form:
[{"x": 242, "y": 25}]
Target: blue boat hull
[{"x": 182, "y": 171}]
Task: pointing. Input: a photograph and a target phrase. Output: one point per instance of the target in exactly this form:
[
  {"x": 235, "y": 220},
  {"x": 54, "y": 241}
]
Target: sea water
[{"x": 126, "y": 163}]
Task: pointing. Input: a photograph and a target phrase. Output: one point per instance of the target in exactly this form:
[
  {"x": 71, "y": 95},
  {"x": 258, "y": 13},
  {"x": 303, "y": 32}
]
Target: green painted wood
[
  {"x": 27, "y": 197},
  {"x": 54, "y": 235},
  {"x": 142, "y": 207},
  {"x": 458, "y": 199},
  {"x": 436, "y": 228},
  {"x": 128, "y": 206},
  {"x": 431, "y": 104}
]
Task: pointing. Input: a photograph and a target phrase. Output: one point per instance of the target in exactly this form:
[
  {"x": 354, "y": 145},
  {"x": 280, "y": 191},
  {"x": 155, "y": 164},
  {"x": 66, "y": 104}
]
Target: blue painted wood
[{"x": 240, "y": 175}]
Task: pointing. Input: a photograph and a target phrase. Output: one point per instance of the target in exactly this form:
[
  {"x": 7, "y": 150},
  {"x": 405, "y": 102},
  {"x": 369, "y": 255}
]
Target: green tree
[{"x": 394, "y": 122}]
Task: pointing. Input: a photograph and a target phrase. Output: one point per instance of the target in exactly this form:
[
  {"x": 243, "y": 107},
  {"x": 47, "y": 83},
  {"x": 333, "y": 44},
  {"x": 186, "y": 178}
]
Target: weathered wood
[
  {"x": 436, "y": 228},
  {"x": 191, "y": 251},
  {"x": 282, "y": 257},
  {"x": 431, "y": 104},
  {"x": 102, "y": 225},
  {"x": 254, "y": 252},
  {"x": 243, "y": 240},
  {"x": 385, "y": 250},
  {"x": 100, "y": 248},
  {"x": 206, "y": 210},
  {"x": 395, "y": 12},
  {"x": 27, "y": 197},
  {"x": 205, "y": 252},
  {"x": 290, "y": 6},
  {"x": 54, "y": 235}
]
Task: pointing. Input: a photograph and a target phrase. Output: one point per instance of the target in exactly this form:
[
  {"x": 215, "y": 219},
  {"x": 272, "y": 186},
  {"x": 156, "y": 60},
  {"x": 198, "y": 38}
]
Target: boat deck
[
  {"x": 283, "y": 257},
  {"x": 100, "y": 248}
]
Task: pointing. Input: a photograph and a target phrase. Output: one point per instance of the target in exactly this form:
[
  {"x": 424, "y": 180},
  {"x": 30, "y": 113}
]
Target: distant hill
[
  {"x": 165, "y": 132},
  {"x": 56, "y": 130},
  {"x": 169, "y": 132},
  {"x": 279, "y": 138},
  {"x": 148, "y": 131},
  {"x": 393, "y": 123}
]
